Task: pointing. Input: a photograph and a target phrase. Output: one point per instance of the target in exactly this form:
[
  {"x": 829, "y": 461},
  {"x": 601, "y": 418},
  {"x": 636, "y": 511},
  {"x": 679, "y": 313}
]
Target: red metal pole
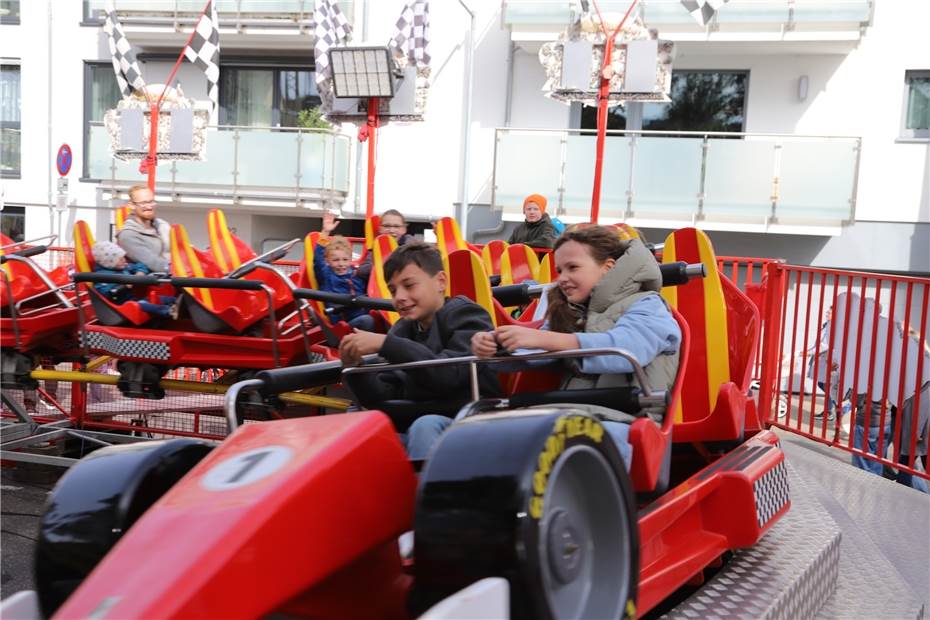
[
  {"x": 153, "y": 145},
  {"x": 372, "y": 140},
  {"x": 602, "y": 96}
]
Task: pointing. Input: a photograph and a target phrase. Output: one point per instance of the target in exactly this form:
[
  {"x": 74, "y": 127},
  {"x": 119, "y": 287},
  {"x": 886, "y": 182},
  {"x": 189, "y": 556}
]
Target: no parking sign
[{"x": 63, "y": 160}]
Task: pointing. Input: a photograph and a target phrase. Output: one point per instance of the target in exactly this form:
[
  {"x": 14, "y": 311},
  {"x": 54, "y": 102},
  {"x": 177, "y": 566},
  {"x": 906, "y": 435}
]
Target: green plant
[{"x": 312, "y": 118}]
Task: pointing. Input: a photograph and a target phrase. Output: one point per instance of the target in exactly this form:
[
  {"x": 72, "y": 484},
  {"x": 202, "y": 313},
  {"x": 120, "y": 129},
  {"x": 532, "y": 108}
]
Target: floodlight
[{"x": 362, "y": 72}]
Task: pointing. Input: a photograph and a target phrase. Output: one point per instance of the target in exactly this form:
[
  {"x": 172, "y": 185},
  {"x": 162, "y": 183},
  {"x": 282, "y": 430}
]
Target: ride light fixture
[{"x": 362, "y": 72}]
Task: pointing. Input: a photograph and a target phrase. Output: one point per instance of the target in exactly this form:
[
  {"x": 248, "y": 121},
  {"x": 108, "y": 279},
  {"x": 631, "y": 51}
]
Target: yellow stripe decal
[{"x": 715, "y": 318}]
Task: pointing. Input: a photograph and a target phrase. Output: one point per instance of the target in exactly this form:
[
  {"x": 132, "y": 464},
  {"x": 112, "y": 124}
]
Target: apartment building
[{"x": 796, "y": 128}]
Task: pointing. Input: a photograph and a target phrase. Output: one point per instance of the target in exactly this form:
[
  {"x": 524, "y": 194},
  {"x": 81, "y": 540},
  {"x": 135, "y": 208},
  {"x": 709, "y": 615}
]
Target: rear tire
[
  {"x": 95, "y": 502},
  {"x": 543, "y": 500}
]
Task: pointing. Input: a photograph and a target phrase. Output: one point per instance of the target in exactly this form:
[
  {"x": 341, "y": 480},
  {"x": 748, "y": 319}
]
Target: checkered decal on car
[
  {"x": 129, "y": 347},
  {"x": 772, "y": 493}
]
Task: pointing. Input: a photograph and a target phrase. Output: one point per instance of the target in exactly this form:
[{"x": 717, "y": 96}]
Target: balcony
[
  {"x": 261, "y": 165},
  {"x": 749, "y": 20},
  {"x": 724, "y": 181},
  {"x": 239, "y": 14}
]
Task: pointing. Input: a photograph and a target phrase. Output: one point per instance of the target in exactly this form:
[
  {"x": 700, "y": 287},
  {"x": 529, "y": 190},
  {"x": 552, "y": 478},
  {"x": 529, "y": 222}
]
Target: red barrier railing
[{"x": 846, "y": 362}]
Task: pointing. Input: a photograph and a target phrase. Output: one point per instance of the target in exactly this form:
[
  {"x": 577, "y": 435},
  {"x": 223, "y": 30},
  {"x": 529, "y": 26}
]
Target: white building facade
[{"x": 797, "y": 128}]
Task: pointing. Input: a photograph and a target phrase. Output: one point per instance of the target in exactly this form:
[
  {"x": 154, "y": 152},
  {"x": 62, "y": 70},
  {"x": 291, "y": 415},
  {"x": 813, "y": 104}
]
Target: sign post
[{"x": 63, "y": 161}]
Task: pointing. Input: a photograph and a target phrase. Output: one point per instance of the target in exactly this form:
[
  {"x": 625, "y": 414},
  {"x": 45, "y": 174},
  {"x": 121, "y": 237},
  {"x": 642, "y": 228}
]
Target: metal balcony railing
[
  {"x": 256, "y": 162},
  {"x": 238, "y": 13},
  {"x": 672, "y": 14},
  {"x": 758, "y": 179}
]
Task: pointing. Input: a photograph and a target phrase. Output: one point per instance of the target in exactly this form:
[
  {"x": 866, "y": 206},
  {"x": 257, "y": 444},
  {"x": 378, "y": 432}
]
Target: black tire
[
  {"x": 500, "y": 490},
  {"x": 96, "y": 502}
]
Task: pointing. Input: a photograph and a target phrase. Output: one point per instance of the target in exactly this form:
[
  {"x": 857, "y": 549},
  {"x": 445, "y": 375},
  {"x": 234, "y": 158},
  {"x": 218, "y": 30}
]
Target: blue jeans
[
  {"x": 910, "y": 480},
  {"x": 364, "y": 322},
  {"x": 161, "y": 310},
  {"x": 425, "y": 431},
  {"x": 862, "y": 462}
]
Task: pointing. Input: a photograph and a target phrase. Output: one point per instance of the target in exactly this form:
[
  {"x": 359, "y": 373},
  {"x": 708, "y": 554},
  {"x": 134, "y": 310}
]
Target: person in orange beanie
[{"x": 537, "y": 231}]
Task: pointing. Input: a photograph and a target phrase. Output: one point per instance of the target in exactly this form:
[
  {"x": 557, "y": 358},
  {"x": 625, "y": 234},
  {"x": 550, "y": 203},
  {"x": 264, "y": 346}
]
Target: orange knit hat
[{"x": 538, "y": 199}]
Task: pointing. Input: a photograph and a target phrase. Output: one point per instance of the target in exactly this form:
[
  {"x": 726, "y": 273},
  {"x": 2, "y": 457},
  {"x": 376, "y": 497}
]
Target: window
[
  {"x": 13, "y": 222},
  {"x": 916, "y": 121},
  {"x": 265, "y": 97},
  {"x": 101, "y": 93},
  {"x": 700, "y": 101},
  {"x": 10, "y": 137},
  {"x": 9, "y": 11}
]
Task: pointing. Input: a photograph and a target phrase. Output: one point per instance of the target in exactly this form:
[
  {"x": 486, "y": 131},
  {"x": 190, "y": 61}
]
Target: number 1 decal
[{"x": 246, "y": 468}]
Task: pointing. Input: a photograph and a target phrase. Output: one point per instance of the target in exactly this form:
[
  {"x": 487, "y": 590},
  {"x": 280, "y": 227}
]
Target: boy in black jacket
[{"x": 431, "y": 327}]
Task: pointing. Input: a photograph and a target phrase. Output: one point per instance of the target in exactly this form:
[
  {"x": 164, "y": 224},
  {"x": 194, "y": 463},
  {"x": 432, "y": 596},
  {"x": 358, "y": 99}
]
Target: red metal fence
[{"x": 846, "y": 362}]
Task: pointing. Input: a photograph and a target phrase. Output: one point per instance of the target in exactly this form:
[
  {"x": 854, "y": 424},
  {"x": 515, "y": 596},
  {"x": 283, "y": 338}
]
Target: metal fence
[{"x": 846, "y": 362}]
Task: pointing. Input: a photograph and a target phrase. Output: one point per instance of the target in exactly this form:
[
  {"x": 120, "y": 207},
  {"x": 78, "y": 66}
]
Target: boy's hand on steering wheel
[
  {"x": 358, "y": 344},
  {"x": 483, "y": 344}
]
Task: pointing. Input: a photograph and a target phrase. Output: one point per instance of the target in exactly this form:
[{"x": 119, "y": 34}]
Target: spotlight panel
[{"x": 362, "y": 72}]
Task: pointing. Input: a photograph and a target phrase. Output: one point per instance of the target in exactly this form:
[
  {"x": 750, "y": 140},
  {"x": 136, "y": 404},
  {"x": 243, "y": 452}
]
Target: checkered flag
[
  {"x": 128, "y": 74},
  {"x": 203, "y": 50},
  {"x": 330, "y": 28},
  {"x": 703, "y": 10},
  {"x": 411, "y": 33}
]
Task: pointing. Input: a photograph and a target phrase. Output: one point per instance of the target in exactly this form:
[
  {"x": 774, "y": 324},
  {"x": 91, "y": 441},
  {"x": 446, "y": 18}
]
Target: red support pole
[
  {"x": 152, "y": 160},
  {"x": 602, "y": 97},
  {"x": 372, "y": 145}
]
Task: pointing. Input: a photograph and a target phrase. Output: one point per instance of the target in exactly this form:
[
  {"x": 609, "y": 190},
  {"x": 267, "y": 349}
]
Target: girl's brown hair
[{"x": 603, "y": 243}]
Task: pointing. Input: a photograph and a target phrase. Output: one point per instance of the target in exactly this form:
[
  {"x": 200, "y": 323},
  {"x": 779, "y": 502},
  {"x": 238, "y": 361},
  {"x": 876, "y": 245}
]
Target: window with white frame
[
  {"x": 10, "y": 136},
  {"x": 915, "y": 122}
]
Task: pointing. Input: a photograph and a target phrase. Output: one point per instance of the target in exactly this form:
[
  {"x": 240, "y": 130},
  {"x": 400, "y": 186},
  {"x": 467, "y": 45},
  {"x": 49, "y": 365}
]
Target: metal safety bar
[
  {"x": 650, "y": 396},
  {"x": 51, "y": 239}
]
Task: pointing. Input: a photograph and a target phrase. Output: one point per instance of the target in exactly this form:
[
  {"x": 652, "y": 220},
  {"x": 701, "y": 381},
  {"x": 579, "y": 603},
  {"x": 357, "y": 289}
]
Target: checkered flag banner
[
  {"x": 203, "y": 50},
  {"x": 330, "y": 28},
  {"x": 703, "y": 10},
  {"x": 411, "y": 33},
  {"x": 128, "y": 74}
]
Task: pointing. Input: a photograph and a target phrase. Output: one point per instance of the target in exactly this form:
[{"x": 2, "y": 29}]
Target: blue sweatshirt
[
  {"x": 351, "y": 283},
  {"x": 646, "y": 330}
]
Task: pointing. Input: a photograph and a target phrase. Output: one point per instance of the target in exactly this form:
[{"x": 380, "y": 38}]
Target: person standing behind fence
[
  {"x": 910, "y": 428},
  {"x": 146, "y": 238}
]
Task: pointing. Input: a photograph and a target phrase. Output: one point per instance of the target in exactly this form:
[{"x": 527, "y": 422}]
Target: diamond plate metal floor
[
  {"x": 853, "y": 545},
  {"x": 885, "y": 549},
  {"x": 788, "y": 574}
]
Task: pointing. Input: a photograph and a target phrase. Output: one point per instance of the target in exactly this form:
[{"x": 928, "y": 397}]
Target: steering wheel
[{"x": 270, "y": 256}]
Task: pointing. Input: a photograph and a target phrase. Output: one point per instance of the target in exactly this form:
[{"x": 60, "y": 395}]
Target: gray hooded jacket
[{"x": 149, "y": 246}]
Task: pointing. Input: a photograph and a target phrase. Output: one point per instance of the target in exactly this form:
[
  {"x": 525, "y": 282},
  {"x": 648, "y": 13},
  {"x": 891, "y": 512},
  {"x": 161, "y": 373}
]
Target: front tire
[{"x": 542, "y": 499}]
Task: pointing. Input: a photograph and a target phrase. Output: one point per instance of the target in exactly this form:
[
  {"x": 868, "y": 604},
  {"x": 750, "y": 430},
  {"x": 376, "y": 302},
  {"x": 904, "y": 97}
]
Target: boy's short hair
[
  {"x": 424, "y": 256},
  {"x": 338, "y": 243},
  {"x": 134, "y": 189},
  {"x": 394, "y": 212}
]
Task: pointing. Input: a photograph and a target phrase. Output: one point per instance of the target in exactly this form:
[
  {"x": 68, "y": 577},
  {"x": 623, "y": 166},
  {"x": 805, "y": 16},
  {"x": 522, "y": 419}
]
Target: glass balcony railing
[
  {"x": 671, "y": 13},
  {"x": 293, "y": 13},
  {"x": 684, "y": 176},
  {"x": 254, "y": 161},
  {"x": 10, "y": 151}
]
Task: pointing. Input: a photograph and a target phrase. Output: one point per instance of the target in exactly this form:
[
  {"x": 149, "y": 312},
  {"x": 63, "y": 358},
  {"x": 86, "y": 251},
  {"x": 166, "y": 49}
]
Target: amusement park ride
[{"x": 524, "y": 508}]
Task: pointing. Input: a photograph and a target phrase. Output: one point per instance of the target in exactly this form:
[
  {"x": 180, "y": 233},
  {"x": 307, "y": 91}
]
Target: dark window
[
  {"x": 265, "y": 97},
  {"x": 9, "y": 11},
  {"x": 616, "y": 117},
  {"x": 101, "y": 93},
  {"x": 701, "y": 101},
  {"x": 916, "y": 122},
  {"x": 13, "y": 222},
  {"x": 10, "y": 136}
]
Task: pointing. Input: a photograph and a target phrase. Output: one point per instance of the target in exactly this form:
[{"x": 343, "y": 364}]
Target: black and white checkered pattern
[
  {"x": 703, "y": 10},
  {"x": 127, "y": 347},
  {"x": 771, "y": 492},
  {"x": 204, "y": 50},
  {"x": 411, "y": 33},
  {"x": 128, "y": 74},
  {"x": 330, "y": 28}
]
